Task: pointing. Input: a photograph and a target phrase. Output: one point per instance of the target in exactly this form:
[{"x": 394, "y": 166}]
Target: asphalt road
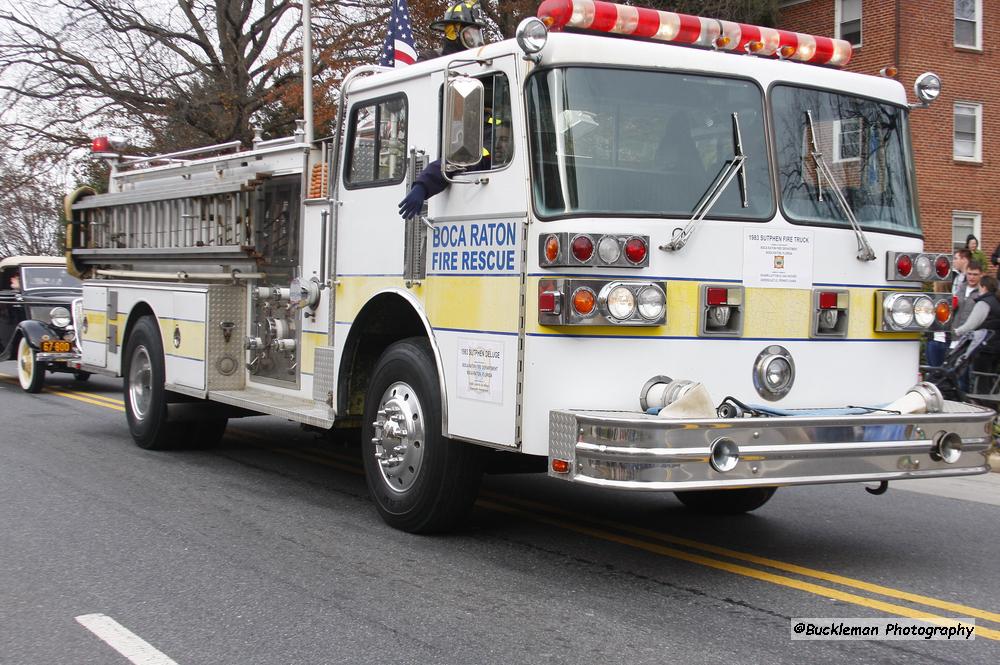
[{"x": 268, "y": 550}]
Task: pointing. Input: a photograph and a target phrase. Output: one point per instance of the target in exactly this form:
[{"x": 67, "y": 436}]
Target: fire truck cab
[{"x": 686, "y": 262}]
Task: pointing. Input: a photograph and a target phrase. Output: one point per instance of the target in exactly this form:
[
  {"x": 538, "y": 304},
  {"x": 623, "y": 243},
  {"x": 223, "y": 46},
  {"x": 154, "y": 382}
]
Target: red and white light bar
[{"x": 695, "y": 30}]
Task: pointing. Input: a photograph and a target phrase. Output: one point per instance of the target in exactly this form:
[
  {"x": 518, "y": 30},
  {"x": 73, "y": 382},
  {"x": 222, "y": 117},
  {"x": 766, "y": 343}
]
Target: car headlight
[
  {"x": 923, "y": 312},
  {"x": 60, "y": 317}
]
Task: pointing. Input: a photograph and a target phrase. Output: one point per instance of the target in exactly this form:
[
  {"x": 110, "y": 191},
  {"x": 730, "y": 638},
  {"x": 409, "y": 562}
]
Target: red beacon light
[
  {"x": 100, "y": 144},
  {"x": 678, "y": 28}
]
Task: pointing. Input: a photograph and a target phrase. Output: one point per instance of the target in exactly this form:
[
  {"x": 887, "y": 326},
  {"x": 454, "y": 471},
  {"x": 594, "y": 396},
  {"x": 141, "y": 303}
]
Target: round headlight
[
  {"x": 927, "y": 87},
  {"x": 923, "y": 311},
  {"x": 774, "y": 372},
  {"x": 609, "y": 250},
  {"x": 59, "y": 317},
  {"x": 901, "y": 311},
  {"x": 621, "y": 303},
  {"x": 531, "y": 35},
  {"x": 651, "y": 303},
  {"x": 777, "y": 373},
  {"x": 923, "y": 267}
]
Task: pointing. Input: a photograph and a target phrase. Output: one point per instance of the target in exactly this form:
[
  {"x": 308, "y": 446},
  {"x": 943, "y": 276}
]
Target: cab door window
[{"x": 377, "y": 143}]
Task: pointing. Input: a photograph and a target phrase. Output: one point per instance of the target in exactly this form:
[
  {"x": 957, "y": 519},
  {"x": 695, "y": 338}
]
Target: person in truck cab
[{"x": 461, "y": 29}]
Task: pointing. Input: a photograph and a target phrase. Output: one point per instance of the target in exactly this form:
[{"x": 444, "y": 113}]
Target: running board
[{"x": 293, "y": 408}]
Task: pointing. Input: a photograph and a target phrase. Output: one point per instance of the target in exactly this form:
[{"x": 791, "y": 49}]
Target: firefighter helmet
[{"x": 462, "y": 26}]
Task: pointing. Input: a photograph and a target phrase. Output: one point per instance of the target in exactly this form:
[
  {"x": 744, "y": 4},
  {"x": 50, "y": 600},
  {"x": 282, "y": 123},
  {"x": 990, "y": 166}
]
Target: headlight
[
  {"x": 774, "y": 372},
  {"x": 901, "y": 311},
  {"x": 651, "y": 303},
  {"x": 923, "y": 312},
  {"x": 60, "y": 317},
  {"x": 621, "y": 303}
]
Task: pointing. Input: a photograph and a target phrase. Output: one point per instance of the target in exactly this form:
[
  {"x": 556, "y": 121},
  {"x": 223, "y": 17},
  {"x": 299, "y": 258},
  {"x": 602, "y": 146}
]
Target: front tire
[
  {"x": 421, "y": 481},
  {"x": 726, "y": 502},
  {"x": 30, "y": 372}
]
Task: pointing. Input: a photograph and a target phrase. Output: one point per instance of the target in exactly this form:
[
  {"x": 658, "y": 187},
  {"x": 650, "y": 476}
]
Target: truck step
[{"x": 293, "y": 408}]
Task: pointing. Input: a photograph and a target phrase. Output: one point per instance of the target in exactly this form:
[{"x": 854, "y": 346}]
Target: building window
[
  {"x": 968, "y": 132},
  {"x": 964, "y": 224},
  {"x": 849, "y": 21},
  {"x": 968, "y": 26},
  {"x": 847, "y": 140}
]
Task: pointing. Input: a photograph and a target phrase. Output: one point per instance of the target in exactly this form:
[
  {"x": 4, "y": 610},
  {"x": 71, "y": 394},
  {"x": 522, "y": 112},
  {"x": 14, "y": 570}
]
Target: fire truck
[{"x": 675, "y": 254}]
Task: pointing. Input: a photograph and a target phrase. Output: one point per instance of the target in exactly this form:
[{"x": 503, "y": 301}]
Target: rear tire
[
  {"x": 30, "y": 372},
  {"x": 145, "y": 394},
  {"x": 81, "y": 376},
  {"x": 726, "y": 502},
  {"x": 421, "y": 481}
]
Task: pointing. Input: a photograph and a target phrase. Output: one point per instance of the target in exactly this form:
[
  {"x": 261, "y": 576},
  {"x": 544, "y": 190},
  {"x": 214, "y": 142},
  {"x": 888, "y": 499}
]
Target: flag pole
[{"x": 307, "y": 71}]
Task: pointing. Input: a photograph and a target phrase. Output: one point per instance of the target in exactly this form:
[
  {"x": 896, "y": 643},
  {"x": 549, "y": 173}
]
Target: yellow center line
[
  {"x": 780, "y": 580},
  {"x": 962, "y": 610},
  {"x": 737, "y": 569},
  {"x": 88, "y": 398}
]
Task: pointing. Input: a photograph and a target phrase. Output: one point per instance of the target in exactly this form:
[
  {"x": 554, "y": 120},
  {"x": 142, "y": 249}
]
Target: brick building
[{"x": 958, "y": 173}]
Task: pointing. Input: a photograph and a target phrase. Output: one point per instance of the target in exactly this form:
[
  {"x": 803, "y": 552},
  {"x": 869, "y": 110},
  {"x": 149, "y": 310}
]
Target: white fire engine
[{"x": 692, "y": 262}]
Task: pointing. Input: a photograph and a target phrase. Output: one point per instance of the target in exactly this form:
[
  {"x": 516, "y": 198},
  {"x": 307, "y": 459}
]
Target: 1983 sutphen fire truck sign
[{"x": 691, "y": 263}]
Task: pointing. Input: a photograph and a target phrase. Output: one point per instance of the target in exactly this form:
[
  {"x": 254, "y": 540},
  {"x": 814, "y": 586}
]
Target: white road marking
[{"x": 124, "y": 641}]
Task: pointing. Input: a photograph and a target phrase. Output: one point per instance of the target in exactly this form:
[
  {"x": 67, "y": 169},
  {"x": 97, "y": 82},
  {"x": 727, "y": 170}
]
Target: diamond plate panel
[
  {"x": 563, "y": 430},
  {"x": 226, "y": 359},
  {"x": 323, "y": 375}
]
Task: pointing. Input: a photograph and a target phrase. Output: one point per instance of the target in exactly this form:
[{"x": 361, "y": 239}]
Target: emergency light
[{"x": 694, "y": 30}]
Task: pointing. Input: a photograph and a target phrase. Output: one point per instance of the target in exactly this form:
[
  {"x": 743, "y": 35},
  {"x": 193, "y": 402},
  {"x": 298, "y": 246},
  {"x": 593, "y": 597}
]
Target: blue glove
[{"x": 410, "y": 205}]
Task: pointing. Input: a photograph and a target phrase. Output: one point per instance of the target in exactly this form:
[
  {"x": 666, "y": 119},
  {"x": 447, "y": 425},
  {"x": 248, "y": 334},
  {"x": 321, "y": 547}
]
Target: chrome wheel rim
[
  {"x": 399, "y": 437},
  {"x": 140, "y": 382},
  {"x": 25, "y": 363}
]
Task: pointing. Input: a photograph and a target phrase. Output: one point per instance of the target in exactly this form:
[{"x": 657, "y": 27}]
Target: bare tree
[
  {"x": 171, "y": 74},
  {"x": 30, "y": 205}
]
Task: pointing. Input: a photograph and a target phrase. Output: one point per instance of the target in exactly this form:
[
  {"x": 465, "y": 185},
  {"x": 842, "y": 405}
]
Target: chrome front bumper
[
  {"x": 635, "y": 451},
  {"x": 57, "y": 357}
]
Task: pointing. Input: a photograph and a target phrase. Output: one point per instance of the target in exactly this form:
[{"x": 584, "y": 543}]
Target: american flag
[{"x": 398, "y": 49}]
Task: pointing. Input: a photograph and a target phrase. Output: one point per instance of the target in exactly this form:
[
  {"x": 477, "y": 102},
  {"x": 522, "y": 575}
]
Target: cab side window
[
  {"x": 497, "y": 137},
  {"x": 377, "y": 143}
]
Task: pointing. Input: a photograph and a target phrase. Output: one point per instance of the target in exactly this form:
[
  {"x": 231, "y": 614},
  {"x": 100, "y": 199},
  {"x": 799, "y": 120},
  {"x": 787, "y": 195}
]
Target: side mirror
[{"x": 462, "y": 132}]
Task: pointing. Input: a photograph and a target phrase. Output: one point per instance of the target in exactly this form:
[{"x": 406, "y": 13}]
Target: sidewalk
[{"x": 984, "y": 488}]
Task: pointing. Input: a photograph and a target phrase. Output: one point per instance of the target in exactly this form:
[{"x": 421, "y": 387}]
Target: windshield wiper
[
  {"x": 732, "y": 168},
  {"x": 865, "y": 251}
]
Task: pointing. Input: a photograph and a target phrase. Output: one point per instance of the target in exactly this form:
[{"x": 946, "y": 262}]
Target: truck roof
[{"x": 565, "y": 48}]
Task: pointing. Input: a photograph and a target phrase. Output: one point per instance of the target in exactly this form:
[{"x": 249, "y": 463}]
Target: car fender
[{"x": 34, "y": 331}]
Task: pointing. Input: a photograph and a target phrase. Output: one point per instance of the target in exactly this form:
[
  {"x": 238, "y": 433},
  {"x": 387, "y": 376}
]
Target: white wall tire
[{"x": 30, "y": 372}]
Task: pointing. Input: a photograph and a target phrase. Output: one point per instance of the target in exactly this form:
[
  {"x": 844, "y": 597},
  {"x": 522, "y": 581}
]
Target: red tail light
[
  {"x": 549, "y": 302},
  {"x": 635, "y": 250},
  {"x": 828, "y": 300},
  {"x": 904, "y": 265},
  {"x": 954, "y": 303},
  {"x": 583, "y": 248},
  {"x": 942, "y": 266},
  {"x": 717, "y": 296}
]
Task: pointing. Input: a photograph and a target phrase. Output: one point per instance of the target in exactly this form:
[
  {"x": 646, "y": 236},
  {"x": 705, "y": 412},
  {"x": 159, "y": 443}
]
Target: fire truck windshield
[
  {"x": 864, "y": 145},
  {"x": 615, "y": 142}
]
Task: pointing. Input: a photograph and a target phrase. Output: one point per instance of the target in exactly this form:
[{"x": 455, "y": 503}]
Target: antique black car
[{"x": 36, "y": 323}]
